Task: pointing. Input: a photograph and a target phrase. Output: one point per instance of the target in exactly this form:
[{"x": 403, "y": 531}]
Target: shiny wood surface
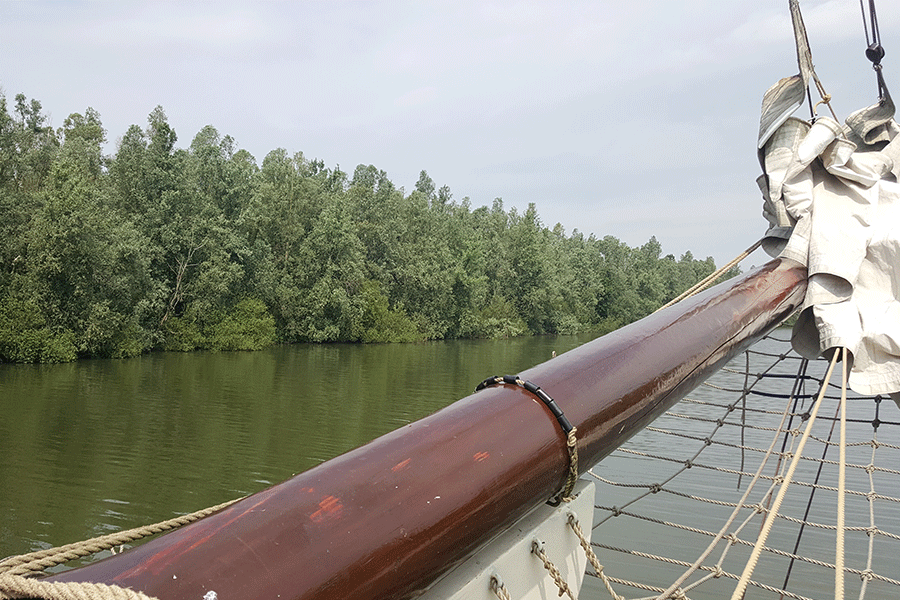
[{"x": 387, "y": 519}]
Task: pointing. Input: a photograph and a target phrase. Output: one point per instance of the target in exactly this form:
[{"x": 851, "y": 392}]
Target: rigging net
[{"x": 682, "y": 504}]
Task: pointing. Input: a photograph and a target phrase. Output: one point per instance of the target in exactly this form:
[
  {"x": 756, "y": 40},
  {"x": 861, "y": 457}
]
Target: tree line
[{"x": 165, "y": 248}]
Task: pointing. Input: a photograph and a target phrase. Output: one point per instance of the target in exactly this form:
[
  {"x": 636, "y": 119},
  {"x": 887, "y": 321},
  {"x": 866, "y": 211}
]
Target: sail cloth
[{"x": 832, "y": 200}]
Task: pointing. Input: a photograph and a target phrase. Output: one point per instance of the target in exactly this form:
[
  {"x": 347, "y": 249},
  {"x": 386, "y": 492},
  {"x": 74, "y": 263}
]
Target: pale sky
[{"x": 632, "y": 119}]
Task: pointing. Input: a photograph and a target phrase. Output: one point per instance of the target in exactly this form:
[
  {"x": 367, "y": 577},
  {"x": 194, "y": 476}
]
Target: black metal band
[
  {"x": 534, "y": 389},
  {"x": 568, "y": 430}
]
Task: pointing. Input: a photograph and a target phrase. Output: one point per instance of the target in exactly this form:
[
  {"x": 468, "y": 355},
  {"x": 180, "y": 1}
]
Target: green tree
[
  {"x": 205, "y": 244},
  {"x": 289, "y": 196},
  {"x": 330, "y": 307},
  {"x": 85, "y": 261},
  {"x": 28, "y": 147},
  {"x": 161, "y": 247},
  {"x": 536, "y": 298}
]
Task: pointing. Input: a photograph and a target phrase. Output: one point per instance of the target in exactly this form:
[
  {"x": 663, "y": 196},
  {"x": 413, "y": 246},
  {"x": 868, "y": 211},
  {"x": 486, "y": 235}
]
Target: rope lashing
[
  {"x": 585, "y": 544},
  {"x": 499, "y": 589},
  {"x": 568, "y": 429}
]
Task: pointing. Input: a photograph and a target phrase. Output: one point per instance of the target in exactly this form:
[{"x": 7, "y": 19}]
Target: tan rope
[
  {"x": 704, "y": 283},
  {"x": 499, "y": 588},
  {"x": 592, "y": 557},
  {"x": 16, "y": 586},
  {"x": 572, "y": 445},
  {"x": 13, "y": 570},
  {"x": 740, "y": 504},
  {"x": 770, "y": 518},
  {"x": 872, "y": 529},
  {"x": 842, "y": 487},
  {"x": 557, "y": 577},
  {"x": 733, "y": 539},
  {"x": 36, "y": 562}
]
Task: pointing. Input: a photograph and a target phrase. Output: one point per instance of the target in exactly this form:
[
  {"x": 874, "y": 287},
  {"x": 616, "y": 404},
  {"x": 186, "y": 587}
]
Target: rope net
[{"x": 682, "y": 505}]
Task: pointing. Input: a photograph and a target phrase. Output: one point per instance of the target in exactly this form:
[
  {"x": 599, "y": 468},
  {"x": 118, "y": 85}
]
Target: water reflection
[{"x": 102, "y": 445}]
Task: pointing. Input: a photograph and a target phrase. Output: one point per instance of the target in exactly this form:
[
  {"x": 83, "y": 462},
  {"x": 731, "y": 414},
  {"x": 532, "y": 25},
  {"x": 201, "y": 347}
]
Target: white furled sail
[{"x": 833, "y": 204}]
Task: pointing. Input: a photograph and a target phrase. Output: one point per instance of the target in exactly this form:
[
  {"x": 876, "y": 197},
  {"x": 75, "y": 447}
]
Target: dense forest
[{"x": 165, "y": 248}]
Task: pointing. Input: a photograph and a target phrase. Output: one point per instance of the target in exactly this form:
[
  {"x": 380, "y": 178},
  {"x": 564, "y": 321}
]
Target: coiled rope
[
  {"x": 16, "y": 586},
  {"x": 15, "y": 571}
]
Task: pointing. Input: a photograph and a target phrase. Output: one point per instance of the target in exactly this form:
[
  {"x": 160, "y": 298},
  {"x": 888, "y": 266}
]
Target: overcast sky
[{"x": 632, "y": 119}]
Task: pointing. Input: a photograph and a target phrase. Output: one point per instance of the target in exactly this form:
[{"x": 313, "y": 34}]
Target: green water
[
  {"x": 102, "y": 445},
  {"x": 99, "y": 446}
]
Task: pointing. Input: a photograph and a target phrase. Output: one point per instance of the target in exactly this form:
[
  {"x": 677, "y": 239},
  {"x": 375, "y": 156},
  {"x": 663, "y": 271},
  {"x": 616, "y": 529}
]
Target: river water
[
  {"x": 96, "y": 446},
  {"x": 99, "y": 446}
]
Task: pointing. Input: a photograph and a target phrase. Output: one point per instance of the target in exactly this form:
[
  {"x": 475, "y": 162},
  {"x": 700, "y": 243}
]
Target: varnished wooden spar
[{"x": 387, "y": 519}]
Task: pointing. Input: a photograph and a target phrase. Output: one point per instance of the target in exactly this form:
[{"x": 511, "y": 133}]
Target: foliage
[
  {"x": 165, "y": 248},
  {"x": 25, "y": 336},
  {"x": 247, "y": 326}
]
